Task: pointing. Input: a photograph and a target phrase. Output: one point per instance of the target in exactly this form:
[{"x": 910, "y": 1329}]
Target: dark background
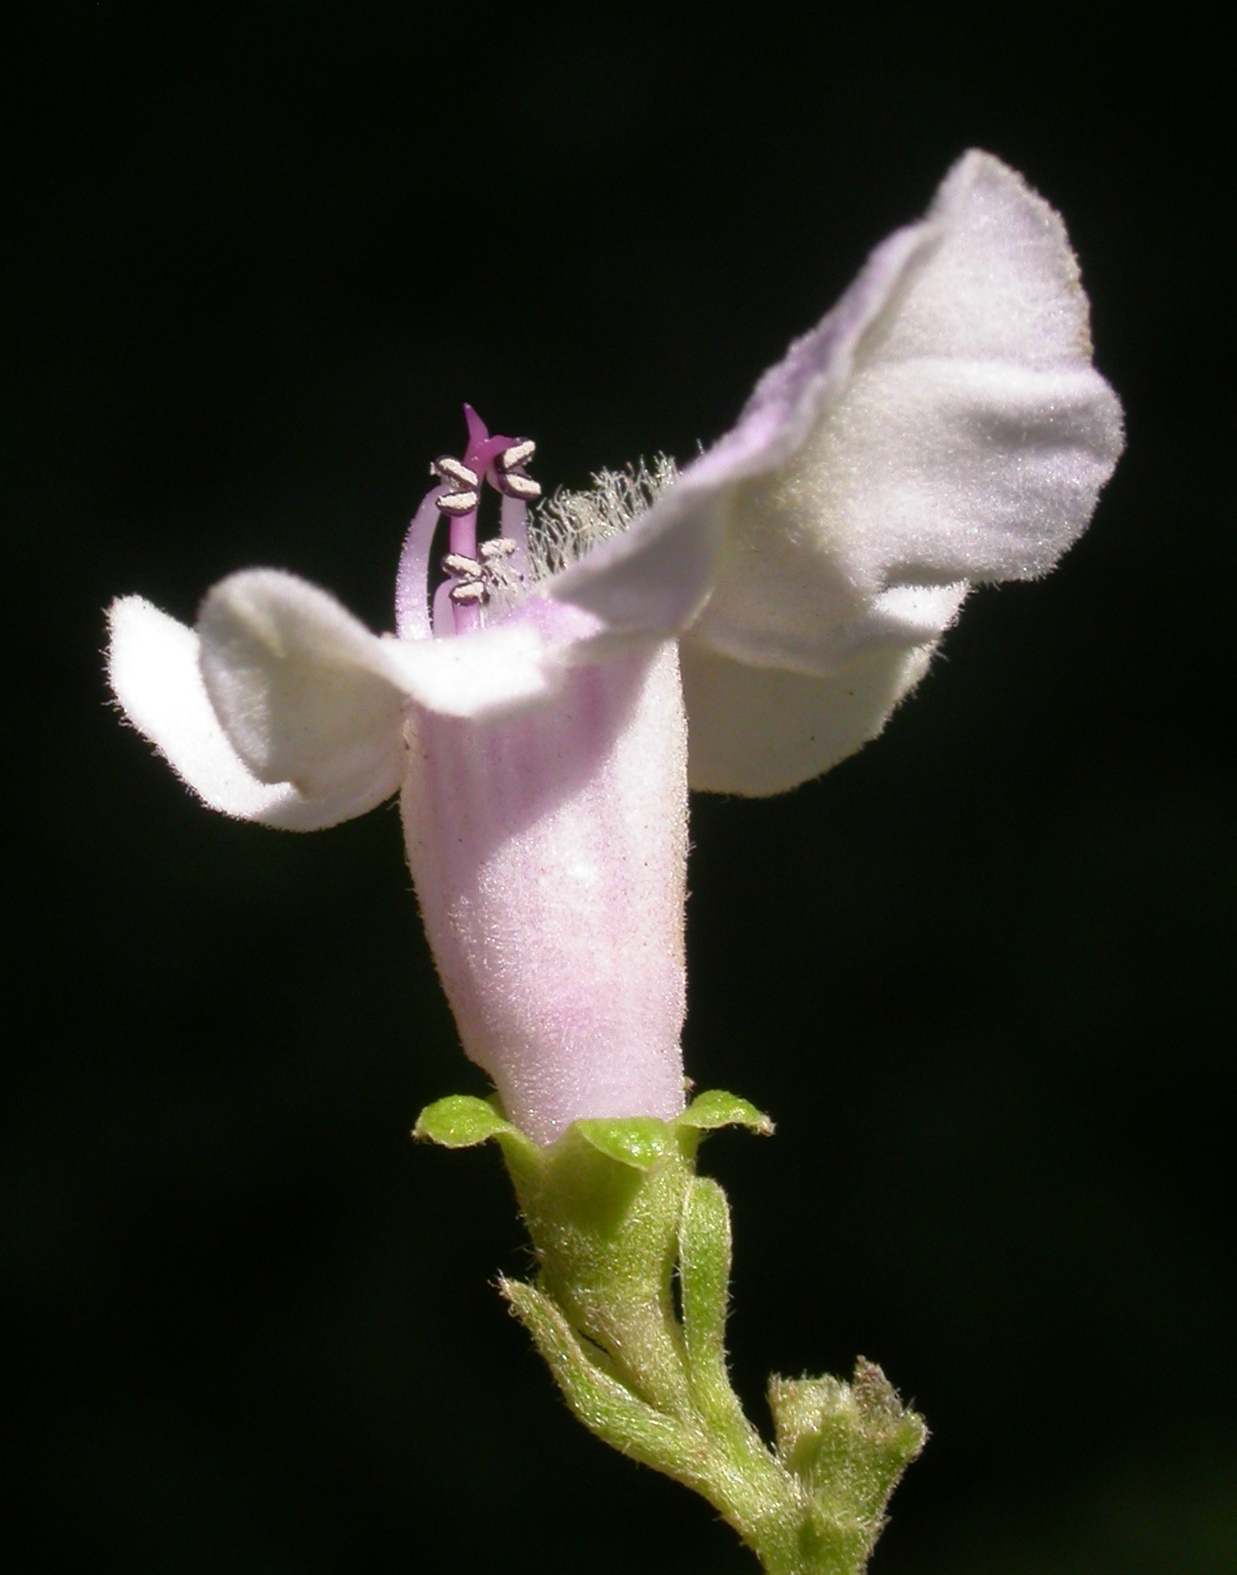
[{"x": 981, "y": 974}]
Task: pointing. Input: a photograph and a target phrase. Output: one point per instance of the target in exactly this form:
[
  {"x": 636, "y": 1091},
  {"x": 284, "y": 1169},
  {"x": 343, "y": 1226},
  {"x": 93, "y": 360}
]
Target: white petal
[
  {"x": 154, "y": 674},
  {"x": 905, "y": 616},
  {"x": 941, "y": 424},
  {"x": 1001, "y": 284},
  {"x": 305, "y": 693},
  {"x": 758, "y": 730},
  {"x": 968, "y": 440}
]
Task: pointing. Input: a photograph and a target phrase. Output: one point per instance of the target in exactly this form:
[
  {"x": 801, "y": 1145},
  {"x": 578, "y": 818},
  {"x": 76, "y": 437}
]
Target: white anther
[
  {"x": 465, "y": 568},
  {"x": 517, "y": 454},
  {"x": 469, "y": 591},
  {"x": 457, "y": 502},
  {"x": 522, "y": 487},
  {"x": 497, "y": 547},
  {"x": 454, "y": 470}
]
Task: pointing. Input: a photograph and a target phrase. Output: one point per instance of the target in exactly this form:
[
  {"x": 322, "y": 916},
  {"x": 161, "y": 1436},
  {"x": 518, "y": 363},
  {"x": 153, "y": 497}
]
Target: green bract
[{"x": 616, "y": 1212}]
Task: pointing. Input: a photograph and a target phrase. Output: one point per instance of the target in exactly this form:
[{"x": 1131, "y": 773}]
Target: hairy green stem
[{"x": 615, "y": 1211}]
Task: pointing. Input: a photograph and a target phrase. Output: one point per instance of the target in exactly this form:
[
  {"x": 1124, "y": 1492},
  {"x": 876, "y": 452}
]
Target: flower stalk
[{"x": 617, "y": 1214}]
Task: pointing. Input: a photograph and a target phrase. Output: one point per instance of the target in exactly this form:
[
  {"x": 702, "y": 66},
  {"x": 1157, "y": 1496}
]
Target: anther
[
  {"x": 518, "y": 454},
  {"x": 466, "y": 568},
  {"x": 454, "y": 470},
  {"x": 496, "y": 547},
  {"x": 457, "y": 502},
  {"x": 522, "y": 487},
  {"x": 470, "y": 591}
]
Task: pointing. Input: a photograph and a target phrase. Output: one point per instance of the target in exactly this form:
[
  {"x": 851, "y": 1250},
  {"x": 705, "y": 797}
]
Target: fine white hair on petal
[
  {"x": 516, "y": 664},
  {"x": 152, "y": 665},
  {"x": 567, "y": 526},
  {"x": 1002, "y": 284},
  {"x": 905, "y": 616}
]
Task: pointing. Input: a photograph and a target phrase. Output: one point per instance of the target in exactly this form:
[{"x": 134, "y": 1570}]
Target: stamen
[
  {"x": 457, "y": 503},
  {"x": 522, "y": 487},
  {"x": 494, "y": 574},
  {"x": 518, "y": 454},
  {"x": 513, "y": 526},
  {"x": 412, "y": 621},
  {"x": 454, "y": 470},
  {"x": 444, "y": 612}
]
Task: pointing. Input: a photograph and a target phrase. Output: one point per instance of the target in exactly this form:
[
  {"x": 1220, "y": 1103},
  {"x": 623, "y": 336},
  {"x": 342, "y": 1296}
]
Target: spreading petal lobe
[
  {"x": 154, "y": 673},
  {"x": 968, "y": 440},
  {"x": 305, "y": 693}
]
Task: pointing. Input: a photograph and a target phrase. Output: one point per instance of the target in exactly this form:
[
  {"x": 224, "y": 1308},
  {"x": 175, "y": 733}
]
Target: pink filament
[
  {"x": 444, "y": 612},
  {"x": 412, "y": 577},
  {"x": 513, "y": 524}
]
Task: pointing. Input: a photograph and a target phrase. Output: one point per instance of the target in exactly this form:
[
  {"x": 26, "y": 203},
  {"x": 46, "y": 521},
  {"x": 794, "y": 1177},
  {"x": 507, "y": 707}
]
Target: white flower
[{"x": 942, "y": 427}]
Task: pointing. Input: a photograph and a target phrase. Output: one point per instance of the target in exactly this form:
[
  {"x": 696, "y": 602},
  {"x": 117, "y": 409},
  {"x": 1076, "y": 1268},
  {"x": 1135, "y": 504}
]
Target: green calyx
[{"x": 616, "y": 1211}]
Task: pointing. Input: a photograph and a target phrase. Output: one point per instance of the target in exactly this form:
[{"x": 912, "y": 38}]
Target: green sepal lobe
[
  {"x": 715, "y": 1108},
  {"x": 638, "y": 1141},
  {"x": 460, "y": 1121}
]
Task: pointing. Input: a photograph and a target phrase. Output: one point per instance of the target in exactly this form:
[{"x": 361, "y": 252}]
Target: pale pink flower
[{"x": 942, "y": 427}]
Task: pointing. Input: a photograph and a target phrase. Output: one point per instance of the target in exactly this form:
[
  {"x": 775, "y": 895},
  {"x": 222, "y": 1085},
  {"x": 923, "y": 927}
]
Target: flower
[{"x": 941, "y": 427}]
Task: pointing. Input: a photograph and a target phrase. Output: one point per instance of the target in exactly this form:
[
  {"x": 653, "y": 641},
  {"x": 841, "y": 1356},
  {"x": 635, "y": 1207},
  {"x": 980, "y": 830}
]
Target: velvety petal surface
[
  {"x": 968, "y": 442},
  {"x": 516, "y": 664},
  {"x": 549, "y": 854},
  {"x": 154, "y": 673},
  {"x": 305, "y": 693}
]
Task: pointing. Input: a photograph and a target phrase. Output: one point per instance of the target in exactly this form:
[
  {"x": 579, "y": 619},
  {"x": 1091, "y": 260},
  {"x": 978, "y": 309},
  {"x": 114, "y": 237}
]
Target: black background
[{"x": 981, "y": 974}]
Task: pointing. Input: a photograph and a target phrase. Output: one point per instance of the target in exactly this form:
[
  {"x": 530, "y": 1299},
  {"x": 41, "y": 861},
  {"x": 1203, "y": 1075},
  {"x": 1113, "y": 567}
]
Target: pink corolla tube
[{"x": 549, "y": 853}]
